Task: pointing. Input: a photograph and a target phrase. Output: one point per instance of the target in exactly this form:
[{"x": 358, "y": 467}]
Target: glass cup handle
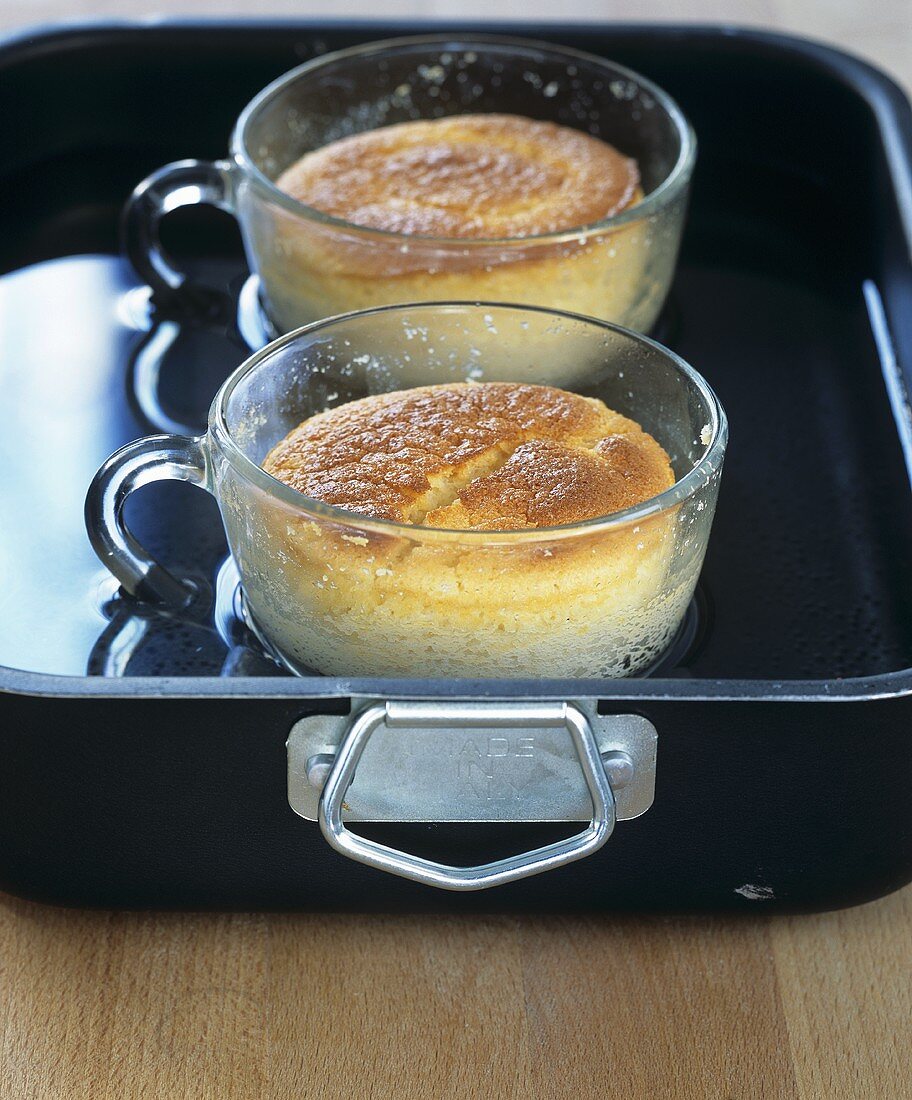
[
  {"x": 155, "y": 458},
  {"x": 181, "y": 183}
]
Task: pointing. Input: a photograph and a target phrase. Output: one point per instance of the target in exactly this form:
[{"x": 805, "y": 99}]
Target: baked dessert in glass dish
[
  {"x": 477, "y": 457},
  {"x": 442, "y": 168},
  {"x": 482, "y": 180},
  {"x": 399, "y": 501}
]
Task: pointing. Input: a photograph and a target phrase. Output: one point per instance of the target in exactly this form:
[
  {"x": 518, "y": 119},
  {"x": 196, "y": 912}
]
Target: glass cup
[
  {"x": 311, "y": 265},
  {"x": 342, "y": 594}
]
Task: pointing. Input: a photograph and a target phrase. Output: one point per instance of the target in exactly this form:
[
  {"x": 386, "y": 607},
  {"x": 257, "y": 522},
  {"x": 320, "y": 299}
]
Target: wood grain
[{"x": 101, "y": 1005}]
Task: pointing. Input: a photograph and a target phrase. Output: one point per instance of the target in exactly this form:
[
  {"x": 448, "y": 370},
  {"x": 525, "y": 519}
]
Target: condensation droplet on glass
[{"x": 435, "y": 73}]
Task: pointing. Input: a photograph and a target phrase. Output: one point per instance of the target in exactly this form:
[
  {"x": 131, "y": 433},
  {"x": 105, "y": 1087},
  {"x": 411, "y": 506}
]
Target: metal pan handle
[{"x": 466, "y": 716}]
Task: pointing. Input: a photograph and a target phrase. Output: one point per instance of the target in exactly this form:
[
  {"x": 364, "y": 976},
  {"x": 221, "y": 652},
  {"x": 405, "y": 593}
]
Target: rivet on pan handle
[{"x": 467, "y": 716}]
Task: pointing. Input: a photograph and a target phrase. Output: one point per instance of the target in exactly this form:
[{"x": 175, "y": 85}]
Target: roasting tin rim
[
  {"x": 877, "y": 89},
  {"x": 887, "y": 685}
]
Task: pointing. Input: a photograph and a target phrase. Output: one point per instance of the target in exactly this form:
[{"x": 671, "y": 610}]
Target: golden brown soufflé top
[
  {"x": 466, "y": 176},
  {"x": 483, "y": 456}
]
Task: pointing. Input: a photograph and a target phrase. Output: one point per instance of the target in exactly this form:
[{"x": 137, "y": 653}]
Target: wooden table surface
[
  {"x": 98, "y": 1005},
  {"x": 101, "y": 1005}
]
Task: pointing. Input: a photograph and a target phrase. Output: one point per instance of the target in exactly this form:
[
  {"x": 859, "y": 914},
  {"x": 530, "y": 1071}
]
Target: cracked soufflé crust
[{"x": 482, "y": 456}]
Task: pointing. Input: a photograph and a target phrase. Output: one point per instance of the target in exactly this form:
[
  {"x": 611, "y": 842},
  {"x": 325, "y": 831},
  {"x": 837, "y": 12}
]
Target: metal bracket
[
  {"x": 505, "y": 764},
  {"x": 467, "y": 715},
  {"x": 413, "y": 738}
]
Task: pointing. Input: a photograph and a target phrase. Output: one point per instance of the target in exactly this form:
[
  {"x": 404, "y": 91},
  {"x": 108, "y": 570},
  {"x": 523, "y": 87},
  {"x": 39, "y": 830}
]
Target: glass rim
[
  {"x": 683, "y": 488},
  {"x": 669, "y": 188}
]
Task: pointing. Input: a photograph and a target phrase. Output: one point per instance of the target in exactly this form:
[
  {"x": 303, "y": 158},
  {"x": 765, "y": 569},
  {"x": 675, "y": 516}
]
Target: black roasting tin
[{"x": 143, "y": 753}]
